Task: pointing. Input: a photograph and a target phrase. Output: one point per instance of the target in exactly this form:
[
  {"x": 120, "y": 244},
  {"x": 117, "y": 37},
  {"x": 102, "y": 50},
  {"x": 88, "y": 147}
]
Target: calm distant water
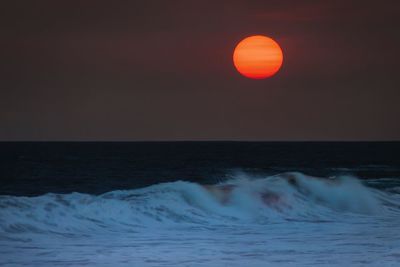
[{"x": 143, "y": 204}]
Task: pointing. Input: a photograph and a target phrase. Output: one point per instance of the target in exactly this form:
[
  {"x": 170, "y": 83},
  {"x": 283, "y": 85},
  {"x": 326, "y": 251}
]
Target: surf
[{"x": 191, "y": 204}]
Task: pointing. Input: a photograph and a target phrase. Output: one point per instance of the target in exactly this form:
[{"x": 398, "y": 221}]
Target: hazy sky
[{"x": 162, "y": 70}]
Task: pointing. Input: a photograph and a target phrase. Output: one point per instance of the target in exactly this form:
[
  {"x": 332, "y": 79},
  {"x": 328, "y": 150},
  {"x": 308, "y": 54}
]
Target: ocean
[{"x": 199, "y": 204}]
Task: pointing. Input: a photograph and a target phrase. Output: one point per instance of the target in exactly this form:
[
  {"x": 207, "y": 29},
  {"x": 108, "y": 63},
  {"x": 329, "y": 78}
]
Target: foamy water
[{"x": 327, "y": 222}]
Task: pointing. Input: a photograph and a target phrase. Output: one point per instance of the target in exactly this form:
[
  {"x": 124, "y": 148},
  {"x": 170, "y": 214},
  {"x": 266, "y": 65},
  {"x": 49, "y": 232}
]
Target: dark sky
[{"x": 162, "y": 70}]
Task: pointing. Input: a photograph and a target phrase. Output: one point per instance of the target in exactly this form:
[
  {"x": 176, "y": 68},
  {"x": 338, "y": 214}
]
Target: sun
[{"x": 258, "y": 57}]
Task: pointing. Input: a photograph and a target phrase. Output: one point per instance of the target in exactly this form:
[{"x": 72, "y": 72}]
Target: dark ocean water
[
  {"x": 35, "y": 168},
  {"x": 144, "y": 204}
]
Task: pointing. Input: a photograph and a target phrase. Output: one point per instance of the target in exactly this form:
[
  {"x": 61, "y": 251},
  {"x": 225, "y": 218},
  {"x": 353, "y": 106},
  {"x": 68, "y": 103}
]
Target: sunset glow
[{"x": 258, "y": 57}]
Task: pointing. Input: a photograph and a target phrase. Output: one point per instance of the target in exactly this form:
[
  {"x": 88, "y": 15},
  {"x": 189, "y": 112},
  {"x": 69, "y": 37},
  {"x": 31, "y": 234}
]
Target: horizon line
[{"x": 202, "y": 140}]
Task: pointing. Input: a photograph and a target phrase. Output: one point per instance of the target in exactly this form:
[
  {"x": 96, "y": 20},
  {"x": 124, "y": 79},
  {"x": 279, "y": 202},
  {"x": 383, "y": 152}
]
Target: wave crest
[{"x": 289, "y": 196}]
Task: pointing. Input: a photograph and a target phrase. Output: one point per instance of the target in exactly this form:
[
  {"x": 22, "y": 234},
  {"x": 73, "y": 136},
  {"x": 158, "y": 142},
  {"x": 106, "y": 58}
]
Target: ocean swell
[{"x": 242, "y": 200}]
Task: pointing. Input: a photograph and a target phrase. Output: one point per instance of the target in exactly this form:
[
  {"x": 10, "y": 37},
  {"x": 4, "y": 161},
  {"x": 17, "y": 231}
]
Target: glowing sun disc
[{"x": 258, "y": 57}]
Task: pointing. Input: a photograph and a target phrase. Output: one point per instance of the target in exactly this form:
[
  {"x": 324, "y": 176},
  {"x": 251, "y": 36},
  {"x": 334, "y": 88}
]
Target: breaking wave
[{"x": 244, "y": 199}]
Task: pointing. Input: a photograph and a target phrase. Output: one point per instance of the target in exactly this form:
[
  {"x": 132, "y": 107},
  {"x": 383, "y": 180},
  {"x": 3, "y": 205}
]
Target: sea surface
[{"x": 200, "y": 204}]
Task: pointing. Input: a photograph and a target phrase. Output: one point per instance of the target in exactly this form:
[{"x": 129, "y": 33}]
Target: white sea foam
[{"x": 307, "y": 221}]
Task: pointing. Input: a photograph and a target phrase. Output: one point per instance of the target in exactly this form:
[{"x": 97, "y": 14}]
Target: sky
[{"x": 162, "y": 70}]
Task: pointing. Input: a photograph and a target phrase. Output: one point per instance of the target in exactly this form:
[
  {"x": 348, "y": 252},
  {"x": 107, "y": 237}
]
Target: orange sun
[{"x": 258, "y": 57}]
